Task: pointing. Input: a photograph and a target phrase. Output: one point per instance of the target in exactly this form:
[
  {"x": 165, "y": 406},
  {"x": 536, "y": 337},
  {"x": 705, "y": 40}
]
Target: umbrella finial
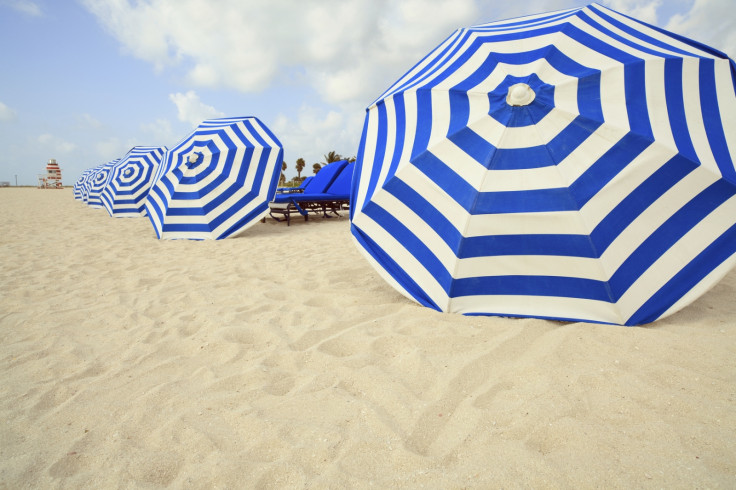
[{"x": 520, "y": 94}]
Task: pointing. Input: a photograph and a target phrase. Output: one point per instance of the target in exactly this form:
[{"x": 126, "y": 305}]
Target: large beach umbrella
[
  {"x": 97, "y": 182},
  {"x": 130, "y": 179},
  {"x": 217, "y": 181},
  {"x": 571, "y": 165}
]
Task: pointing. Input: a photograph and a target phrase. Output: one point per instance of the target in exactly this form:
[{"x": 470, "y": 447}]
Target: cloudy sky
[{"x": 84, "y": 81}]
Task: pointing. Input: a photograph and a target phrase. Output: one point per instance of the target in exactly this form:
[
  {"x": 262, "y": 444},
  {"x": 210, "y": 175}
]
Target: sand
[{"x": 280, "y": 359}]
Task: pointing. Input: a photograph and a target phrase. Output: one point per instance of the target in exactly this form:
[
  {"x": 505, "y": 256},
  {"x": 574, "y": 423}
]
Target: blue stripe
[
  {"x": 682, "y": 221},
  {"x": 494, "y": 245},
  {"x": 380, "y": 146},
  {"x": 549, "y": 245},
  {"x": 608, "y": 166},
  {"x": 639, "y": 200},
  {"x": 532, "y": 201},
  {"x": 428, "y": 213},
  {"x": 179, "y": 227},
  {"x": 411, "y": 243},
  {"x": 712, "y": 119},
  {"x": 566, "y": 287},
  {"x": 423, "y": 124},
  {"x": 450, "y": 182},
  {"x": 676, "y": 108},
  {"x": 687, "y": 278}
]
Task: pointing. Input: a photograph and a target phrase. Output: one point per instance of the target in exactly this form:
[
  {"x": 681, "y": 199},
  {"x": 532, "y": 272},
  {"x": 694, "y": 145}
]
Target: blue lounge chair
[
  {"x": 300, "y": 188},
  {"x": 329, "y": 191}
]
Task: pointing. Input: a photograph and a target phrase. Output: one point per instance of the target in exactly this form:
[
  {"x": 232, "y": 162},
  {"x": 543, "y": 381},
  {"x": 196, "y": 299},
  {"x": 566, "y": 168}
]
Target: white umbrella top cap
[{"x": 520, "y": 94}]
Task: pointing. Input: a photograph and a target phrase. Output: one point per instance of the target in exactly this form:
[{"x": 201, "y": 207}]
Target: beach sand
[{"x": 280, "y": 359}]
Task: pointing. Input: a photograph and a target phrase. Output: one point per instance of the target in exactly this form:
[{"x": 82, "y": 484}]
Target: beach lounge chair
[
  {"x": 329, "y": 191},
  {"x": 300, "y": 188}
]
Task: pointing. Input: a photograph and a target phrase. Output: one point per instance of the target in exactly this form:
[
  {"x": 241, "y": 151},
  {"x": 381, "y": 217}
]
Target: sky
[{"x": 83, "y": 81}]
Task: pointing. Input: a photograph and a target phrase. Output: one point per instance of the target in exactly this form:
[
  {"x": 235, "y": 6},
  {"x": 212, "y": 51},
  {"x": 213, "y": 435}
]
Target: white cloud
[
  {"x": 346, "y": 51},
  {"x": 111, "y": 148},
  {"x": 159, "y": 133},
  {"x": 643, "y": 10},
  {"x": 55, "y": 143},
  {"x": 7, "y": 114},
  {"x": 87, "y": 121},
  {"x": 192, "y": 110},
  {"x": 314, "y": 132},
  {"x": 712, "y": 22},
  {"x": 23, "y": 6},
  {"x": 247, "y": 44}
]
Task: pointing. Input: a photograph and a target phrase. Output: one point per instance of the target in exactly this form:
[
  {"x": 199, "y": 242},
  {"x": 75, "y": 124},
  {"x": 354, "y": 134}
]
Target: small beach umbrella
[
  {"x": 97, "y": 183},
  {"x": 130, "y": 179},
  {"x": 572, "y": 165},
  {"x": 217, "y": 181},
  {"x": 80, "y": 183}
]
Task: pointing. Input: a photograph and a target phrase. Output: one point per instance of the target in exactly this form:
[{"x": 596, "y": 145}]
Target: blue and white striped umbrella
[
  {"x": 97, "y": 183},
  {"x": 571, "y": 165},
  {"x": 217, "y": 181},
  {"x": 130, "y": 180},
  {"x": 80, "y": 184}
]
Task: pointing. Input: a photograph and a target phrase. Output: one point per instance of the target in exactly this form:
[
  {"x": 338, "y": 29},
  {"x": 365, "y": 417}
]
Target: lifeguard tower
[{"x": 52, "y": 178}]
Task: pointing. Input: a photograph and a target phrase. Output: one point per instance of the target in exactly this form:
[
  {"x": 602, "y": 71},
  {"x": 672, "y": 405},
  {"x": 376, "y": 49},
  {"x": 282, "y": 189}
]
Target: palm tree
[
  {"x": 316, "y": 167},
  {"x": 282, "y": 179},
  {"x": 300, "y": 164},
  {"x": 333, "y": 156}
]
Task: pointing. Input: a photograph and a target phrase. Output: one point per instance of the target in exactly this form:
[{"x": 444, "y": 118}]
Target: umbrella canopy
[
  {"x": 130, "y": 179},
  {"x": 97, "y": 182},
  {"x": 80, "y": 183},
  {"x": 571, "y": 165},
  {"x": 217, "y": 181}
]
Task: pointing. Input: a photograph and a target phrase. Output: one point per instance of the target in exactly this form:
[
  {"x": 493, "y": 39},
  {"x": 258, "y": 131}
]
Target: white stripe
[
  {"x": 659, "y": 117},
  {"x": 390, "y": 138},
  {"x": 726, "y": 103},
  {"x": 529, "y": 265},
  {"x": 369, "y": 155},
  {"x": 678, "y": 256},
  {"x": 547, "y": 223},
  {"x": 694, "y": 113},
  {"x": 538, "y": 306},
  {"x": 440, "y": 117},
  {"x": 522, "y": 180}
]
